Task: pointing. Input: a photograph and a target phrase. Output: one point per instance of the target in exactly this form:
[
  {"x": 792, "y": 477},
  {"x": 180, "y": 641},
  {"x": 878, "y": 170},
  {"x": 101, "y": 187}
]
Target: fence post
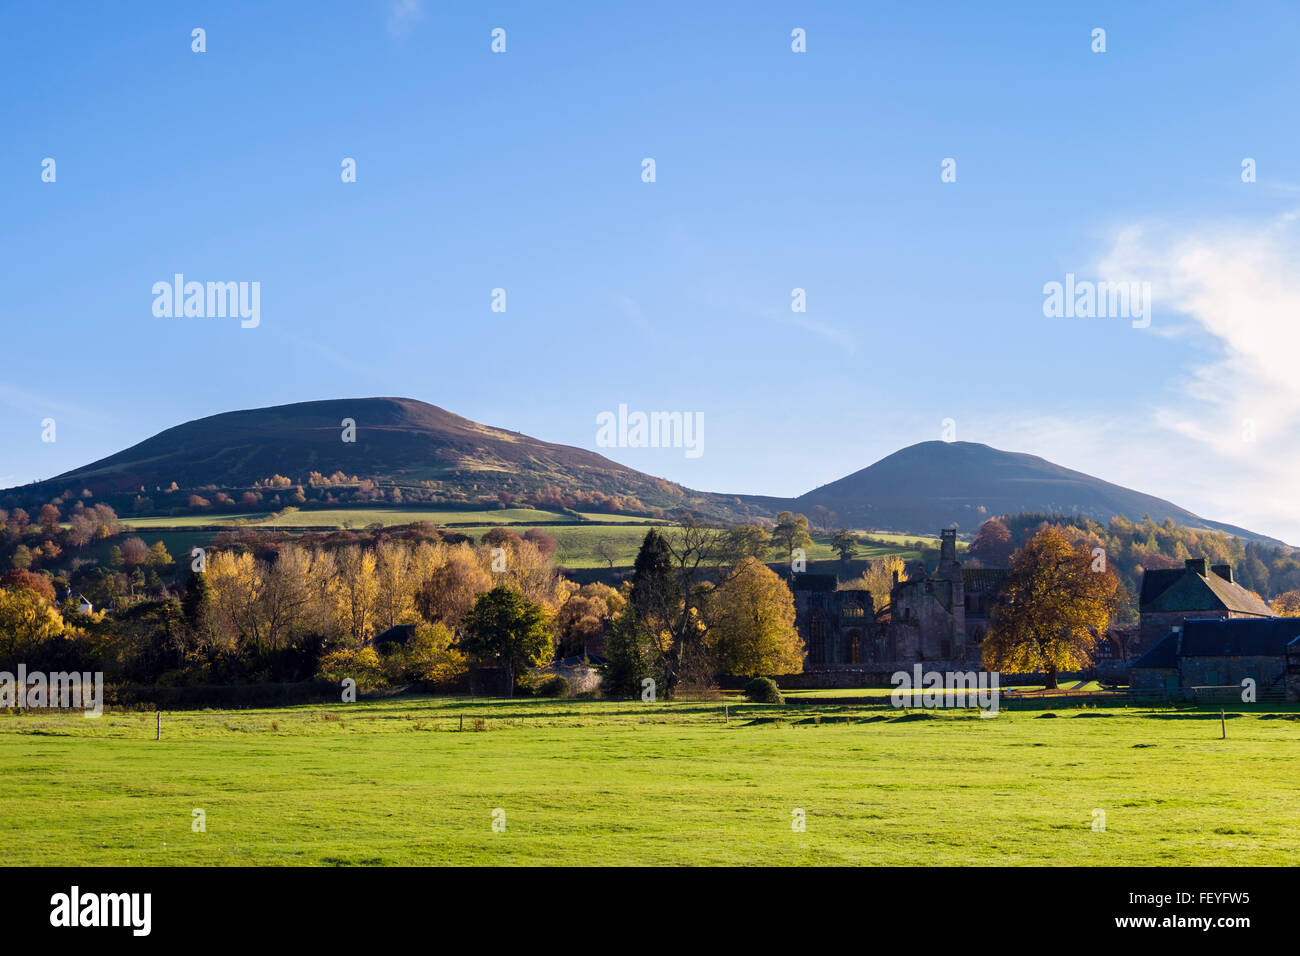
[{"x": 157, "y": 735}]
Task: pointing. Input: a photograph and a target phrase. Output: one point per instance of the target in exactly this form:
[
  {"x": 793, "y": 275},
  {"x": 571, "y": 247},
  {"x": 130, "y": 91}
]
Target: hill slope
[
  {"x": 934, "y": 484},
  {"x": 398, "y": 441},
  {"x": 439, "y": 456}
]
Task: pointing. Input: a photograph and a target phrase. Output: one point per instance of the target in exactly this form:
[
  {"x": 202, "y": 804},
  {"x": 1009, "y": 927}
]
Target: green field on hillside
[
  {"x": 396, "y": 782},
  {"x": 362, "y": 517},
  {"x": 358, "y": 518},
  {"x": 578, "y": 541}
]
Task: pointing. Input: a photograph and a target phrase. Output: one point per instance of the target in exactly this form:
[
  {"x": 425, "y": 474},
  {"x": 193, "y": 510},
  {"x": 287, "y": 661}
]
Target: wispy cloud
[
  {"x": 631, "y": 310},
  {"x": 403, "y": 15},
  {"x": 37, "y": 403},
  {"x": 829, "y": 332},
  {"x": 1222, "y": 441},
  {"x": 1225, "y": 445}
]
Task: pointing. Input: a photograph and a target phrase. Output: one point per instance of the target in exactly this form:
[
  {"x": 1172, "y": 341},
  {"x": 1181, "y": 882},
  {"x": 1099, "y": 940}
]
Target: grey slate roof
[
  {"x": 1239, "y": 637},
  {"x": 1217, "y": 637},
  {"x": 1163, "y": 654},
  {"x": 1184, "y": 589},
  {"x": 983, "y": 580}
]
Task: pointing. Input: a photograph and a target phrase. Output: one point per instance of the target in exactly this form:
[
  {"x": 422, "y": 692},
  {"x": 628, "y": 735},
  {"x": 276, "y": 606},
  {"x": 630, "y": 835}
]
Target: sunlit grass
[{"x": 592, "y": 782}]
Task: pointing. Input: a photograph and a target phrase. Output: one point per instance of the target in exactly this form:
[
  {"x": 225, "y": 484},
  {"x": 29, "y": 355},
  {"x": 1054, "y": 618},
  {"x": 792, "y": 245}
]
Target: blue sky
[{"x": 775, "y": 170}]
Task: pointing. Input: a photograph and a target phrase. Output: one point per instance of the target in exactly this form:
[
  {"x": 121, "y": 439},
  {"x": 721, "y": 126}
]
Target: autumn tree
[
  {"x": 544, "y": 543},
  {"x": 233, "y": 583},
  {"x": 993, "y": 544},
  {"x": 582, "y": 620},
  {"x": 285, "y": 591},
  {"x": 134, "y": 552},
  {"x": 501, "y": 538},
  {"x": 18, "y": 522},
  {"x": 38, "y": 583},
  {"x": 791, "y": 532},
  {"x": 105, "y": 521},
  {"x": 532, "y": 573},
  {"x": 395, "y": 601},
  {"x": 823, "y": 519},
  {"x": 746, "y": 541},
  {"x": 878, "y": 578},
  {"x": 49, "y": 519},
  {"x": 357, "y": 592},
  {"x": 1056, "y": 606},
  {"x": 751, "y": 621},
  {"x": 27, "y": 621},
  {"x": 1287, "y": 604},
  {"x": 430, "y": 655},
  {"x": 81, "y": 530},
  {"x": 453, "y": 586}
]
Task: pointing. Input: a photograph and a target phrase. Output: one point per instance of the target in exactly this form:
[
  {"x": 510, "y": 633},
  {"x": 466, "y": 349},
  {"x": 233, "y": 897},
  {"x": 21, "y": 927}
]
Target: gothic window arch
[
  {"x": 853, "y": 646},
  {"x": 816, "y": 637}
]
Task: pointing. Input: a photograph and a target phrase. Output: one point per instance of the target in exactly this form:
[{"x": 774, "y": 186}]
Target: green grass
[
  {"x": 877, "y": 693},
  {"x": 577, "y": 541},
  {"x": 178, "y": 544},
  {"x": 351, "y": 518},
  {"x": 394, "y": 782},
  {"x": 618, "y": 519}
]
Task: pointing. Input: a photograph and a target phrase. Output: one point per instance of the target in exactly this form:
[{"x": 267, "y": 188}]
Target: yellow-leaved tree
[
  {"x": 26, "y": 622},
  {"x": 1287, "y": 604},
  {"x": 751, "y": 624},
  {"x": 878, "y": 578},
  {"x": 1058, "y": 599}
]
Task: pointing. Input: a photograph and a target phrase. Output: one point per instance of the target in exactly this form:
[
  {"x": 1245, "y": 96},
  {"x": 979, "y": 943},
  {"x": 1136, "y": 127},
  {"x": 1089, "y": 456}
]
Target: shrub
[
  {"x": 763, "y": 690},
  {"x": 557, "y": 685},
  {"x": 360, "y": 664}
]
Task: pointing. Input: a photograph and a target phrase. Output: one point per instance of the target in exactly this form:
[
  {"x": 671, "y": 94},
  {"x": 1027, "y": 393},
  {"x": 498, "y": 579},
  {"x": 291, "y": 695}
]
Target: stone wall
[
  {"x": 1268, "y": 672},
  {"x": 1154, "y": 626},
  {"x": 1151, "y": 679},
  {"x": 869, "y": 675}
]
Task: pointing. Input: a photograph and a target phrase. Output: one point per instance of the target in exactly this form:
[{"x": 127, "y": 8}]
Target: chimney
[
  {"x": 1224, "y": 571},
  {"x": 947, "y": 545},
  {"x": 1197, "y": 565}
]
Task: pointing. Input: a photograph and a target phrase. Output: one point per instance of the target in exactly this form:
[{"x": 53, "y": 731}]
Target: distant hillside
[
  {"x": 935, "y": 484},
  {"x": 411, "y": 452},
  {"x": 399, "y": 442}
]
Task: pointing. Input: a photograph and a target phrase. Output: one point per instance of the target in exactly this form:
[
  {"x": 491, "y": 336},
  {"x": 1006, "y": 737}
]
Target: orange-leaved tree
[{"x": 1057, "y": 600}]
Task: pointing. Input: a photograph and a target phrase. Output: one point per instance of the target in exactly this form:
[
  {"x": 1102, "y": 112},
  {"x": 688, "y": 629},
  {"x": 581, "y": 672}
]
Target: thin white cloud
[
  {"x": 631, "y": 310},
  {"x": 1222, "y": 442},
  {"x": 37, "y": 403},
  {"x": 829, "y": 332},
  {"x": 1231, "y": 430},
  {"x": 403, "y": 15}
]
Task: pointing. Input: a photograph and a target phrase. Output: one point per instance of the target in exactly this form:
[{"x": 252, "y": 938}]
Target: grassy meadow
[
  {"x": 604, "y": 782},
  {"x": 578, "y": 538},
  {"x": 360, "y": 518}
]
